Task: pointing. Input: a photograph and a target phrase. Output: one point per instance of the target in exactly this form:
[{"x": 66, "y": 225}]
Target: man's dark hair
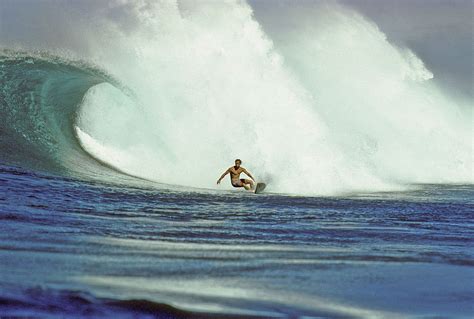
[{"x": 238, "y": 160}]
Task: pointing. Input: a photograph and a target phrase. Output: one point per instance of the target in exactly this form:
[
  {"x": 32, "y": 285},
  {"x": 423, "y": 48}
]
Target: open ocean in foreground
[{"x": 75, "y": 249}]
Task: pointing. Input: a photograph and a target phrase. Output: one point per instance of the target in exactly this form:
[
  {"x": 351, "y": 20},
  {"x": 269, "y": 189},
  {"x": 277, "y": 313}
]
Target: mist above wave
[{"x": 326, "y": 105}]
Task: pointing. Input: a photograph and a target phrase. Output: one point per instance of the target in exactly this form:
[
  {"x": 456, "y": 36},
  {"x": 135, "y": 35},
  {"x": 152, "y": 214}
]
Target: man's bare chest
[{"x": 235, "y": 172}]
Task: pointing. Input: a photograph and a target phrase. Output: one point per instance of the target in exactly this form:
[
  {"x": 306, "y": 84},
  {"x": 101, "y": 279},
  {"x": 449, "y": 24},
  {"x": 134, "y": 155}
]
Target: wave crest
[{"x": 325, "y": 106}]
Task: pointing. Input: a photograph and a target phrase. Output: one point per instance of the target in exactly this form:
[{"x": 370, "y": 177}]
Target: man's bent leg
[
  {"x": 248, "y": 184},
  {"x": 252, "y": 184}
]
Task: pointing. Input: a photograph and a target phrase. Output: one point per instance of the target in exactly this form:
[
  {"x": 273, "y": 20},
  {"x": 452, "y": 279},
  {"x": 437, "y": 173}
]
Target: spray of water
[{"x": 326, "y": 105}]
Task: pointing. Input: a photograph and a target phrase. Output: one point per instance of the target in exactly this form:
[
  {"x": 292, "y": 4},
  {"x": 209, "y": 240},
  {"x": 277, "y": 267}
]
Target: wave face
[
  {"x": 39, "y": 98},
  {"x": 324, "y": 106}
]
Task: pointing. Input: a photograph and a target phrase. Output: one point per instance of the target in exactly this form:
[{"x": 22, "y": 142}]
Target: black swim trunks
[{"x": 238, "y": 183}]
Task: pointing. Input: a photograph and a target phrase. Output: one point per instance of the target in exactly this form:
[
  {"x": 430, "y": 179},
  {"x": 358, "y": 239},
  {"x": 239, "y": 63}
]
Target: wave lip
[
  {"x": 39, "y": 101},
  {"x": 326, "y": 105}
]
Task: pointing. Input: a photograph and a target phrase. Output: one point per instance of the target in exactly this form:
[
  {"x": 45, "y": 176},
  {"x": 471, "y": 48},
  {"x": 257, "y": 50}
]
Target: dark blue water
[{"x": 73, "y": 249}]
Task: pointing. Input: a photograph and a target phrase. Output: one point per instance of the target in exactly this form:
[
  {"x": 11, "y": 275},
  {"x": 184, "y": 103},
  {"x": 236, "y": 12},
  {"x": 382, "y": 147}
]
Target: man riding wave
[{"x": 235, "y": 179}]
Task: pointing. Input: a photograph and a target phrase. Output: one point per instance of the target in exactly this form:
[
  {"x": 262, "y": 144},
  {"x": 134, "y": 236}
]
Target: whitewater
[{"x": 329, "y": 107}]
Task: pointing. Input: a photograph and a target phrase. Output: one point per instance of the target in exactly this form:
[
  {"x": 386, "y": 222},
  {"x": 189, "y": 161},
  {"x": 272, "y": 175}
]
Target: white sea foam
[{"x": 327, "y": 106}]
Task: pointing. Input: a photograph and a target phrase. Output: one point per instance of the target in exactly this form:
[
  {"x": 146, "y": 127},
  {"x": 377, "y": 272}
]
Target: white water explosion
[{"x": 330, "y": 106}]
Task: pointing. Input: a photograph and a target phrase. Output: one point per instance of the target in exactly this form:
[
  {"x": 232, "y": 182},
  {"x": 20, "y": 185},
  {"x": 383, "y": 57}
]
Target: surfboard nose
[{"x": 260, "y": 187}]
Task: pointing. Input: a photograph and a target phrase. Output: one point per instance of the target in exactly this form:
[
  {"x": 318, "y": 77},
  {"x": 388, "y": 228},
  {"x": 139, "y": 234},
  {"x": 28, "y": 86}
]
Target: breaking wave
[{"x": 173, "y": 92}]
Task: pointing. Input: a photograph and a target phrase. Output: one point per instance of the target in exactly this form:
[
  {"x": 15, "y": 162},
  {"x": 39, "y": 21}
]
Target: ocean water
[
  {"x": 117, "y": 118},
  {"x": 77, "y": 249}
]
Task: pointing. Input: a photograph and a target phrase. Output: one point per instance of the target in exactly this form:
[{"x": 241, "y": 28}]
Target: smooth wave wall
[
  {"x": 323, "y": 106},
  {"x": 39, "y": 98}
]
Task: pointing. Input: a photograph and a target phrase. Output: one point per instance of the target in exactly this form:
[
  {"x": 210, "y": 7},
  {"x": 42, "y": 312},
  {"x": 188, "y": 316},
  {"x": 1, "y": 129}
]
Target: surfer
[{"x": 235, "y": 179}]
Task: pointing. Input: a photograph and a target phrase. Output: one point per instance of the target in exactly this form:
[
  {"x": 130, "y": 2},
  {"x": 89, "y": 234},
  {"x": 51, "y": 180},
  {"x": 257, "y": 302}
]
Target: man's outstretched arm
[
  {"x": 222, "y": 176},
  {"x": 248, "y": 174}
]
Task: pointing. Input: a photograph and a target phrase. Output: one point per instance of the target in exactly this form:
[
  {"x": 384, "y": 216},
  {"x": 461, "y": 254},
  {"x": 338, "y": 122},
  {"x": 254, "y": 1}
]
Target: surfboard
[{"x": 260, "y": 187}]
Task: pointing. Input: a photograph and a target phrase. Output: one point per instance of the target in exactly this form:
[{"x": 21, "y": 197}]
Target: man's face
[{"x": 237, "y": 163}]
